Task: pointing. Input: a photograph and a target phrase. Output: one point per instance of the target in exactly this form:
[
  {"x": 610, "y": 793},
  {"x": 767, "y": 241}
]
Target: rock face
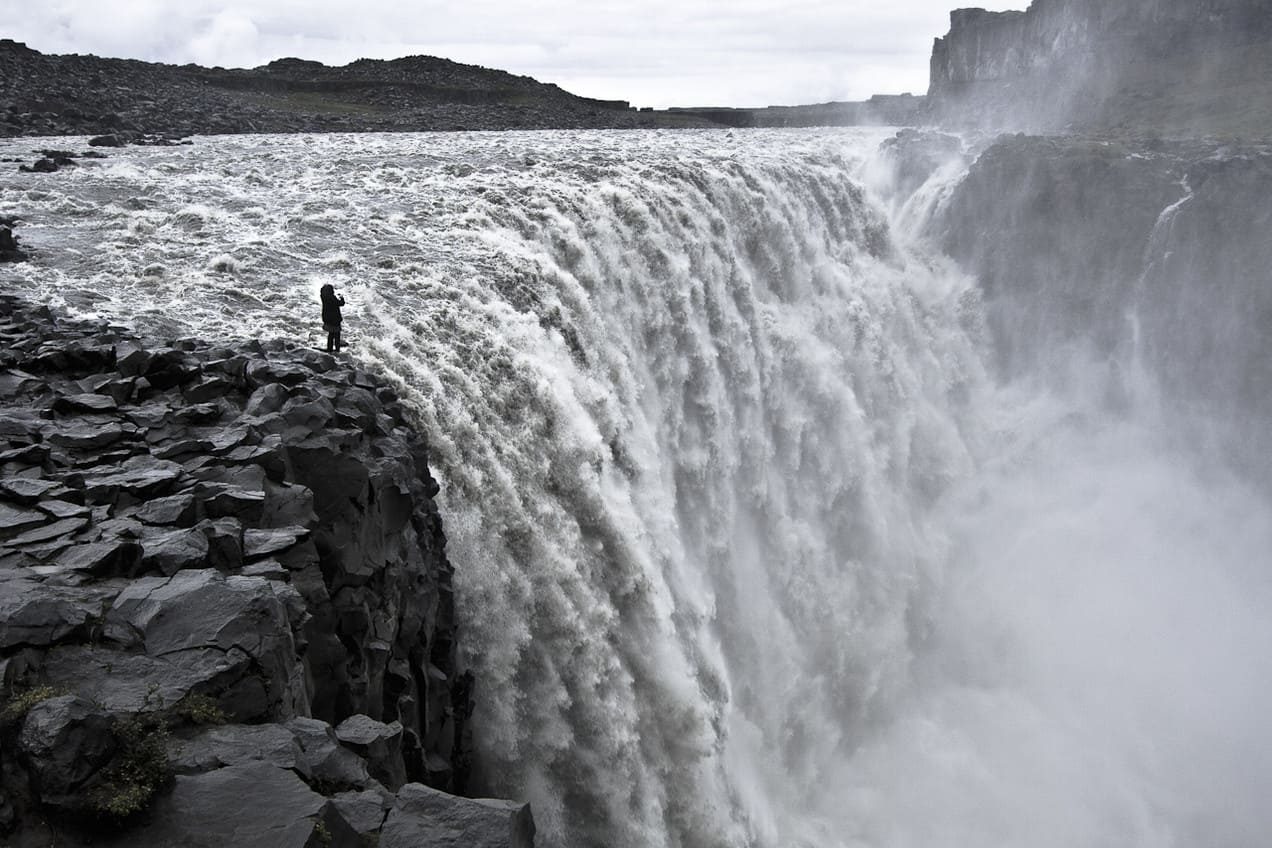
[
  {"x": 121, "y": 101},
  {"x": 1167, "y": 64},
  {"x": 1078, "y": 241},
  {"x": 225, "y": 610}
]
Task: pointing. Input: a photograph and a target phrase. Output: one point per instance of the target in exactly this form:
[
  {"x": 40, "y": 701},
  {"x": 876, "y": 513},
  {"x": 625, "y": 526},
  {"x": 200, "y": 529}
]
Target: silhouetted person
[{"x": 331, "y": 318}]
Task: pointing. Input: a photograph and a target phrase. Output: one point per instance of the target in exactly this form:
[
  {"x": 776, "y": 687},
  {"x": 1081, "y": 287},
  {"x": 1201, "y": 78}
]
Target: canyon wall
[{"x": 1153, "y": 64}]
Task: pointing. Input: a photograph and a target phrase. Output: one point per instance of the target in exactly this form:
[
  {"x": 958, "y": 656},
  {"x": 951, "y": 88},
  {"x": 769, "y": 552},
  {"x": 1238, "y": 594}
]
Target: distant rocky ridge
[
  {"x": 225, "y": 605},
  {"x": 1181, "y": 67},
  {"x": 881, "y": 109},
  {"x": 46, "y": 95}
]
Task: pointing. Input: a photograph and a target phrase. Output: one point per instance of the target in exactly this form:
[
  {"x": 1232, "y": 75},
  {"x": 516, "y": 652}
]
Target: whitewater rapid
[{"x": 751, "y": 547}]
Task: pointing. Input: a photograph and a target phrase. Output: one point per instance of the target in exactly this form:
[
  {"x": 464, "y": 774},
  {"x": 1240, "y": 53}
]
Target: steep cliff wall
[
  {"x": 225, "y": 603},
  {"x": 1155, "y": 261},
  {"x": 1152, "y": 63}
]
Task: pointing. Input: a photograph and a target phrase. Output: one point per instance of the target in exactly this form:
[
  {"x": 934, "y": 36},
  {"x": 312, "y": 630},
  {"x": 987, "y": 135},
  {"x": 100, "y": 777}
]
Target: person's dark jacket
[{"x": 331, "y": 303}]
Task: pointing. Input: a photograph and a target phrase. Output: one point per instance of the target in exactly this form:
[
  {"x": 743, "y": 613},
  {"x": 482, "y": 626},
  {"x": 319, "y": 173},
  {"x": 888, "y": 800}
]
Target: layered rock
[
  {"x": 225, "y": 610},
  {"x": 1171, "y": 65}
]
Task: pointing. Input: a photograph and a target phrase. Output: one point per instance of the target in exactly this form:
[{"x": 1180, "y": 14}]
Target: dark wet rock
[
  {"x": 141, "y": 476},
  {"x": 424, "y": 816},
  {"x": 86, "y": 402},
  {"x": 175, "y": 510},
  {"x": 40, "y": 166},
  {"x": 64, "y": 741},
  {"x": 324, "y": 760},
  {"x": 225, "y": 542},
  {"x": 33, "y": 614},
  {"x": 379, "y": 743},
  {"x": 55, "y": 530},
  {"x": 270, "y": 569},
  {"x": 231, "y": 745},
  {"x": 174, "y": 550},
  {"x": 113, "y": 558},
  {"x": 213, "y": 809},
  {"x": 82, "y": 435},
  {"x": 258, "y": 544},
  {"x": 9, "y": 250},
  {"x": 220, "y": 500},
  {"x": 109, "y": 140},
  {"x": 365, "y": 811},
  {"x": 15, "y": 520},
  {"x": 62, "y": 509},
  {"x": 124, "y": 681},
  {"x": 262, "y": 549},
  {"x": 25, "y": 490}
]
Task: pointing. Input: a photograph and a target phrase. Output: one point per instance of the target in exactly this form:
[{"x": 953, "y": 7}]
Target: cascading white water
[{"x": 749, "y": 549}]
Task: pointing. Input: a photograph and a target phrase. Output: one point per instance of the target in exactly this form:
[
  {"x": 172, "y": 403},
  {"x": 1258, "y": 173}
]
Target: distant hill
[
  {"x": 44, "y": 94},
  {"x": 1171, "y": 66}
]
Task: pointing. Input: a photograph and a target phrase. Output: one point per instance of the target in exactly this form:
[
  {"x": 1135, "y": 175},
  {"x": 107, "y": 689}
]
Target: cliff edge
[{"x": 225, "y": 604}]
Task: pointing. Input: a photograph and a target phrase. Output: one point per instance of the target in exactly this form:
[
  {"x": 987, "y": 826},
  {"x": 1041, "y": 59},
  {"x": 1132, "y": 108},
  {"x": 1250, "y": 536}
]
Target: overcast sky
[{"x": 651, "y": 52}]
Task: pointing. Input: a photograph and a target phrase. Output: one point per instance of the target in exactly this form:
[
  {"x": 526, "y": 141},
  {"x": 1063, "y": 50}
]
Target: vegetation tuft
[{"x": 18, "y": 705}]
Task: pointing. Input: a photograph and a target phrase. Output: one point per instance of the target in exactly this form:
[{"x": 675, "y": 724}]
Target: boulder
[
  {"x": 39, "y": 615},
  {"x": 248, "y": 805},
  {"x": 423, "y": 816},
  {"x": 379, "y": 743},
  {"x": 64, "y": 742},
  {"x": 231, "y": 745}
]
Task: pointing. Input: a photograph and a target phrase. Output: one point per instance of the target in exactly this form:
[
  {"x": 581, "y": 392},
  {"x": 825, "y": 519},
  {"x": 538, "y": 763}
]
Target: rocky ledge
[{"x": 225, "y": 609}]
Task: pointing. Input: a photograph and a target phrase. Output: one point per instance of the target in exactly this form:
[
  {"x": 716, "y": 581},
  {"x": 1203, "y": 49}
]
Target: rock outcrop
[
  {"x": 9, "y": 250},
  {"x": 1153, "y": 258},
  {"x": 1178, "y": 66},
  {"x": 225, "y": 609}
]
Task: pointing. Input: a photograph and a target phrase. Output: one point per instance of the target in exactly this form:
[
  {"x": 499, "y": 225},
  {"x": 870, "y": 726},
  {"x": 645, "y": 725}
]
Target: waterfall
[{"x": 753, "y": 545}]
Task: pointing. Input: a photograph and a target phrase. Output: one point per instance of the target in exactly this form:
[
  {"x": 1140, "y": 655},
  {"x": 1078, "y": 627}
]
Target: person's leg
[
  {"x": 337, "y": 334},
  {"x": 331, "y": 340}
]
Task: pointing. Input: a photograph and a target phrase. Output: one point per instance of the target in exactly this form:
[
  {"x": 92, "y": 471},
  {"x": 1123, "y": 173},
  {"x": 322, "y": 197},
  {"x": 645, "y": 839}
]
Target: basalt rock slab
[{"x": 424, "y": 816}]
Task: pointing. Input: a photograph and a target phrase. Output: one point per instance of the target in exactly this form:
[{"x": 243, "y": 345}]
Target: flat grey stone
[
  {"x": 249, "y": 805},
  {"x": 143, "y": 476},
  {"x": 232, "y": 745},
  {"x": 127, "y": 682},
  {"x": 40, "y": 615},
  {"x": 427, "y": 817},
  {"x": 86, "y": 402},
  {"x": 174, "y": 550},
  {"x": 365, "y": 810},
  {"x": 364, "y": 730},
  {"x": 16, "y": 519},
  {"x": 65, "y": 527},
  {"x": 263, "y": 543},
  {"x": 178, "y": 510},
  {"x": 26, "y": 490},
  {"x": 270, "y": 569},
  {"x": 109, "y": 558},
  {"x": 83, "y": 435},
  {"x": 62, "y": 509}
]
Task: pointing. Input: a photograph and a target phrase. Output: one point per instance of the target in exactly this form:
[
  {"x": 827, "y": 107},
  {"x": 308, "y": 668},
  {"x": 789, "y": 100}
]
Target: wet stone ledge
[{"x": 225, "y": 605}]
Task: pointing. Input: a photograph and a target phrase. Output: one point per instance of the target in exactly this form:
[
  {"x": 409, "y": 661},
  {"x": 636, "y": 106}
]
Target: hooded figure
[{"x": 331, "y": 318}]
